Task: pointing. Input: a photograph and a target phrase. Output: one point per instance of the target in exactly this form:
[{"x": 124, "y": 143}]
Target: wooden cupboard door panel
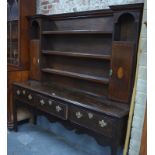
[
  {"x": 34, "y": 60},
  {"x": 121, "y": 65},
  {"x": 26, "y": 8}
]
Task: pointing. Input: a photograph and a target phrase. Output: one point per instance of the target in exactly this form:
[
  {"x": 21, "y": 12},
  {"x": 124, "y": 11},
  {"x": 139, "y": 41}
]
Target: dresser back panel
[
  {"x": 97, "y": 44},
  {"x": 95, "y": 68},
  {"x": 75, "y": 83},
  {"x": 83, "y": 23}
]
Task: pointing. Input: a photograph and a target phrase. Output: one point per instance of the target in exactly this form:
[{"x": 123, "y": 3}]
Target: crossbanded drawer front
[
  {"x": 96, "y": 122},
  {"x": 53, "y": 107},
  {"x": 25, "y": 95}
]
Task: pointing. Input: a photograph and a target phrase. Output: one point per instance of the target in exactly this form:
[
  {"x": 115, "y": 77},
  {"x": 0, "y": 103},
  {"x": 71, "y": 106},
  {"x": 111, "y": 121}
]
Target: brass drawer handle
[
  {"x": 24, "y": 92},
  {"x": 50, "y": 102},
  {"x": 102, "y": 123},
  {"x": 42, "y": 102},
  {"x": 90, "y": 115},
  {"x": 58, "y": 108},
  {"x": 30, "y": 97},
  {"x": 78, "y": 114},
  {"x": 18, "y": 92}
]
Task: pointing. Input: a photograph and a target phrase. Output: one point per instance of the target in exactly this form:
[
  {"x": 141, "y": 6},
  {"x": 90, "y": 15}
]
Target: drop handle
[
  {"x": 78, "y": 114},
  {"x": 42, "y": 102},
  {"x": 18, "y": 92},
  {"x": 24, "y": 92},
  {"x": 90, "y": 115},
  {"x": 102, "y": 123},
  {"x": 30, "y": 97},
  {"x": 50, "y": 102},
  {"x": 58, "y": 108}
]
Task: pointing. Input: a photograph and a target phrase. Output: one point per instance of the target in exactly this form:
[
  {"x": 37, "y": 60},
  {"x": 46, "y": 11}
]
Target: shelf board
[
  {"x": 78, "y": 32},
  {"x": 77, "y": 75},
  {"x": 75, "y": 54}
]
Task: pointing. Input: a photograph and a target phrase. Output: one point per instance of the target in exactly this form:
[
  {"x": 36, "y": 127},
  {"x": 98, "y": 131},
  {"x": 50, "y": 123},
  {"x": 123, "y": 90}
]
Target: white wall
[{"x": 64, "y": 6}]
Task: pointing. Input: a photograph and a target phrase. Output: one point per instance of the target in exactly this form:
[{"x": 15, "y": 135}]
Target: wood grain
[
  {"x": 122, "y": 56},
  {"x": 35, "y": 59}
]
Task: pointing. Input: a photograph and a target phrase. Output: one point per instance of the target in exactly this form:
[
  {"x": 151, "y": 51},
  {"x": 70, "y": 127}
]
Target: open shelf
[
  {"x": 76, "y": 54},
  {"x": 78, "y": 32},
  {"x": 77, "y": 75}
]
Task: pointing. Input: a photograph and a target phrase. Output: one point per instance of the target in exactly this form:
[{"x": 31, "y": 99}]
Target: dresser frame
[{"x": 82, "y": 68}]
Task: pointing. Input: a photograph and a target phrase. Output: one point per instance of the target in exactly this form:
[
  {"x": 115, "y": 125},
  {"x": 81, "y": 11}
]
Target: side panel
[{"x": 120, "y": 81}]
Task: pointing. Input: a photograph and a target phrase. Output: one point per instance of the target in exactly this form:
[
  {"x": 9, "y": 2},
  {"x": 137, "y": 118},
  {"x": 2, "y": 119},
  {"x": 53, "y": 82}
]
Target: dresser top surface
[{"x": 75, "y": 97}]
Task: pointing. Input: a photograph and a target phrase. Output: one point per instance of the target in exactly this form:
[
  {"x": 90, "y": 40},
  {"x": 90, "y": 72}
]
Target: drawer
[
  {"x": 24, "y": 95},
  {"x": 91, "y": 120},
  {"x": 53, "y": 107}
]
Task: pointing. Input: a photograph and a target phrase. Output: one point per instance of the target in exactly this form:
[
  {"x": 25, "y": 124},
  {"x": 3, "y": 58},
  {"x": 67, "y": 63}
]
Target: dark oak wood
[
  {"x": 77, "y": 54},
  {"x": 85, "y": 72},
  {"x": 76, "y": 75},
  {"x": 82, "y": 43},
  {"x": 81, "y": 85},
  {"x": 38, "y": 95},
  {"x": 76, "y": 97},
  {"x": 78, "y": 32},
  {"x": 35, "y": 59},
  {"x": 120, "y": 81}
]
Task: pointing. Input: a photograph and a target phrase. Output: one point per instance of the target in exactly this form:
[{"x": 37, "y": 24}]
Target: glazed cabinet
[{"x": 17, "y": 46}]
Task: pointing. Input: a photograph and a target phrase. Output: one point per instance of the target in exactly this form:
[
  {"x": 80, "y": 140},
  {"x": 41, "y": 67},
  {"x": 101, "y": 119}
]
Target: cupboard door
[
  {"x": 121, "y": 65},
  {"x": 34, "y": 59}
]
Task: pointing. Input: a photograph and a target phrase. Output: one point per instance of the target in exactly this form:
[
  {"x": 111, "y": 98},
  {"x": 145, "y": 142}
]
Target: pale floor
[{"x": 52, "y": 139}]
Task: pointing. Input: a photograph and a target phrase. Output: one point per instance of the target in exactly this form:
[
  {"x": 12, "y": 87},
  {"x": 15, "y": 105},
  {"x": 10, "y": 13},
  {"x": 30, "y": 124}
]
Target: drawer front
[
  {"x": 24, "y": 95},
  {"x": 53, "y": 107},
  {"x": 96, "y": 122}
]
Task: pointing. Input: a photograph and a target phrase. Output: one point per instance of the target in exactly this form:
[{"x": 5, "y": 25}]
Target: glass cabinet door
[{"x": 12, "y": 32}]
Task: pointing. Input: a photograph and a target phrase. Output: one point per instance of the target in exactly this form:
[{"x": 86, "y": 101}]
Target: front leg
[
  {"x": 15, "y": 115},
  {"x": 114, "y": 148},
  {"x": 34, "y": 118}
]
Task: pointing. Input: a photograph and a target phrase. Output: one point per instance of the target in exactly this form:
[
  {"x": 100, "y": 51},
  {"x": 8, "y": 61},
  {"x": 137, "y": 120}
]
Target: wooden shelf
[
  {"x": 75, "y": 54},
  {"x": 78, "y": 32},
  {"x": 77, "y": 75}
]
